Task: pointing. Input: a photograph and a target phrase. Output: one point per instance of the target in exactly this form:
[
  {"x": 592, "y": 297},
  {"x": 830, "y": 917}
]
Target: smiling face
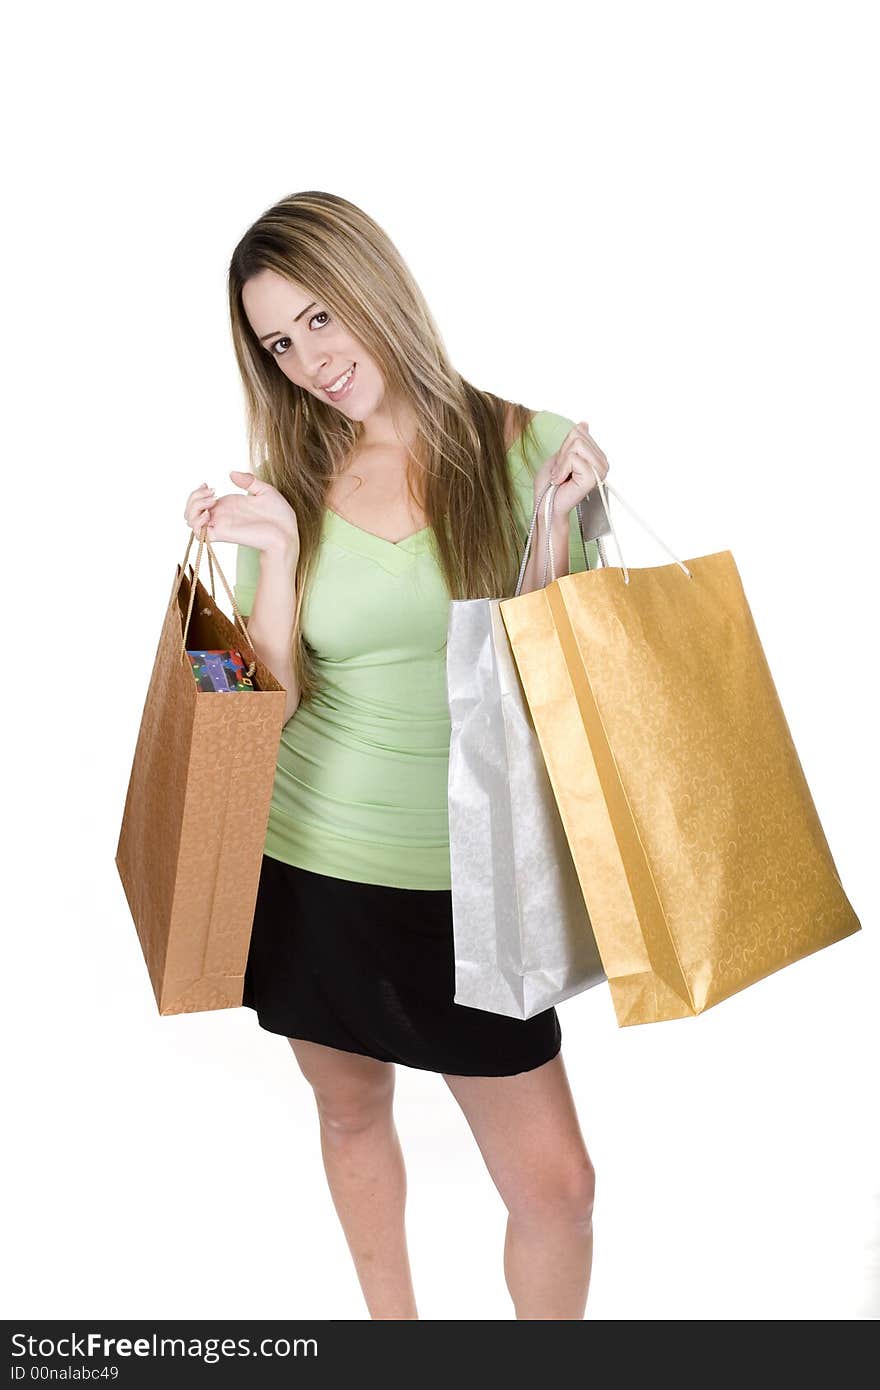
[{"x": 310, "y": 347}]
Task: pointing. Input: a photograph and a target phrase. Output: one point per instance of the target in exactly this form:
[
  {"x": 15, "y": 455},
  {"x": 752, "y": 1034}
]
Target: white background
[{"x": 654, "y": 218}]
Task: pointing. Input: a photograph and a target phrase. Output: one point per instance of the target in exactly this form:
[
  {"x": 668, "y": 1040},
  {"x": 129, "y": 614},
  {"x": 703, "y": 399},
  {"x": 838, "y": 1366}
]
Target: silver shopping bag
[{"x": 523, "y": 939}]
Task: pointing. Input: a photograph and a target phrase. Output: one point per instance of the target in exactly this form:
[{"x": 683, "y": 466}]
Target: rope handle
[
  {"x": 212, "y": 560},
  {"x": 549, "y": 559}
]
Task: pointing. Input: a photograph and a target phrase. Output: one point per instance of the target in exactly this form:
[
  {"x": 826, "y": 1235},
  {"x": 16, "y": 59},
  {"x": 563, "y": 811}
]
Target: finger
[
  {"x": 583, "y": 432},
  {"x": 198, "y": 493},
  {"x": 579, "y": 442},
  {"x": 591, "y": 452},
  {"x": 592, "y": 473},
  {"x": 589, "y": 475},
  {"x": 590, "y": 444},
  {"x": 243, "y": 480},
  {"x": 200, "y": 514}
]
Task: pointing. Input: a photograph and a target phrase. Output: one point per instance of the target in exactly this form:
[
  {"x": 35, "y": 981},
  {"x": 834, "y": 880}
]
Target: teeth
[{"x": 335, "y": 385}]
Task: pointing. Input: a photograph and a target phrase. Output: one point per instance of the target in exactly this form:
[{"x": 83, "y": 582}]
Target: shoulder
[
  {"x": 547, "y": 422},
  {"x": 552, "y": 428},
  {"x": 546, "y": 433}
]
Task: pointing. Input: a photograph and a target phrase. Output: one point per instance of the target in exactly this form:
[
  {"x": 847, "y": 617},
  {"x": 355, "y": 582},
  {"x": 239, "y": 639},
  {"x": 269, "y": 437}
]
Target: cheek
[
  {"x": 357, "y": 353},
  {"x": 367, "y": 368}
]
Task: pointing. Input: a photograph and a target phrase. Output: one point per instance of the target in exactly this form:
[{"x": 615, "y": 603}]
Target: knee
[
  {"x": 344, "y": 1111},
  {"x": 564, "y": 1193}
]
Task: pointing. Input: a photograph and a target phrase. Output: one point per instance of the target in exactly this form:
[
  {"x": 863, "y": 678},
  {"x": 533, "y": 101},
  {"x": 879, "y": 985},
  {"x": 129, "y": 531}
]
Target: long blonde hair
[{"x": 298, "y": 443}]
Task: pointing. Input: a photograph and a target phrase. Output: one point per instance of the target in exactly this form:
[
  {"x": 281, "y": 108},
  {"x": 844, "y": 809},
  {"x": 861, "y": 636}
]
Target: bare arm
[{"x": 271, "y": 620}]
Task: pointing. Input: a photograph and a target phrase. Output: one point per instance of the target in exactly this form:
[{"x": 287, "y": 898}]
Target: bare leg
[
  {"x": 527, "y": 1130},
  {"x": 365, "y": 1171}
]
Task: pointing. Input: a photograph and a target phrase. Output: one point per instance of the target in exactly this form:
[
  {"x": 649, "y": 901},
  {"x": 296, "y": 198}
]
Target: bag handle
[
  {"x": 606, "y": 487},
  {"x": 212, "y": 560},
  {"x": 549, "y": 559}
]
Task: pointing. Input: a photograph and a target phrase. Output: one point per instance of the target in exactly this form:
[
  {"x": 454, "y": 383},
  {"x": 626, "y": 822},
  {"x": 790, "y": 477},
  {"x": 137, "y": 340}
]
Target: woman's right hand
[{"x": 259, "y": 516}]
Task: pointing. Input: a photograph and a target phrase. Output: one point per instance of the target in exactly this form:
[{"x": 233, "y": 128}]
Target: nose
[{"x": 316, "y": 368}]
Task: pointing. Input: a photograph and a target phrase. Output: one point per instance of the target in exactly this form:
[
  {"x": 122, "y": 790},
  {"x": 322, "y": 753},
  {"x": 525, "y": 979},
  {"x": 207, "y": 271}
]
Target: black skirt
[{"x": 370, "y": 968}]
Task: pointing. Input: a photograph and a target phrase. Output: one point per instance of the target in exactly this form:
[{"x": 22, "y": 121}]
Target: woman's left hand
[{"x": 571, "y": 468}]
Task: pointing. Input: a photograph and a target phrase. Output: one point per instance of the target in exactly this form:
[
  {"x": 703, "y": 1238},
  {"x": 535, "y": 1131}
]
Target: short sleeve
[
  {"x": 550, "y": 431},
  {"x": 247, "y": 572}
]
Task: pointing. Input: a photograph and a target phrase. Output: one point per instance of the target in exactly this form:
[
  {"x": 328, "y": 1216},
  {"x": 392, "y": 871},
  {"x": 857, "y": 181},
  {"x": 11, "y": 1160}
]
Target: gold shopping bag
[{"x": 698, "y": 848}]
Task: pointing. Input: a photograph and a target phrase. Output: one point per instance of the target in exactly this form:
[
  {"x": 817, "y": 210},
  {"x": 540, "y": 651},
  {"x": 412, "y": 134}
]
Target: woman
[{"x": 384, "y": 484}]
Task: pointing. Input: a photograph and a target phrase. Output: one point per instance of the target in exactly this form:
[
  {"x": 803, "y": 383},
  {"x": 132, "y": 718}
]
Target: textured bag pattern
[
  {"x": 196, "y": 811},
  {"x": 698, "y": 848},
  {"x": 523, "y": 940}
]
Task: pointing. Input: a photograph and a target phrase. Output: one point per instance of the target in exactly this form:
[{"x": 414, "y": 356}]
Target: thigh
[
  {"x": 348, "y": 1087},
  {"x": 527, "y": 1129}
]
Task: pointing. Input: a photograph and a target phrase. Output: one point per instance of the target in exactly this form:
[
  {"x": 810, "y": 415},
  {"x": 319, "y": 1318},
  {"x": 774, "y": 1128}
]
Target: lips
[{"x": 338, "y": 394}]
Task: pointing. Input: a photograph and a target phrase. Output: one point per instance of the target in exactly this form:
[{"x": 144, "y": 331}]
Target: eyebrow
[{"x": 275, "y": 331}]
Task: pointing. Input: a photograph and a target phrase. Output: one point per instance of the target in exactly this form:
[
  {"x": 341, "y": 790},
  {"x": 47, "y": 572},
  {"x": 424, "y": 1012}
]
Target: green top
[{"x": 360, "y": 786}]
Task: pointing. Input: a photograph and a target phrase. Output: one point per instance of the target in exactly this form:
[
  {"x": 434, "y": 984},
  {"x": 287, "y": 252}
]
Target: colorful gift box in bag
[{"x": 697, "y": 844}]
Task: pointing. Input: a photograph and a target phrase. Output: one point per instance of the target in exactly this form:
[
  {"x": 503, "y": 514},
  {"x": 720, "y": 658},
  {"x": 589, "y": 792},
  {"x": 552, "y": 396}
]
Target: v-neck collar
[
  {"x": 372, "y": 534},
  {"x": 395, "y": 556}
]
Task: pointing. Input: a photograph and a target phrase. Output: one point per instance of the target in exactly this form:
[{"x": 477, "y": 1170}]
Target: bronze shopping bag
[
  {"x": 197, "y": 807},
  {"x": 698, "y": 848}
]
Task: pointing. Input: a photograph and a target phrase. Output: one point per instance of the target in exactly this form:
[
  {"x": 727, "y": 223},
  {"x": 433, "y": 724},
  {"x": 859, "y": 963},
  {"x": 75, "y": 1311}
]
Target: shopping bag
[
  {"x": 697, "y": 845},
  {"x": 197, "y": 807},
  {"x": 521, "y": 930}
]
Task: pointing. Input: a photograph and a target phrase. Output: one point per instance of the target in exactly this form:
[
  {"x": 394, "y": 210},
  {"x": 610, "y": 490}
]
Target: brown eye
[{"x": 322, "y": 313}]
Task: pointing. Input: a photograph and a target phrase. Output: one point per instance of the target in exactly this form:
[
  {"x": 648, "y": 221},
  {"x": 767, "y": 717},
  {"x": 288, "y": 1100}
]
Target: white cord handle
[
  {"x": 550, "y": 494},
  {"x": 548, "y": 556}
]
